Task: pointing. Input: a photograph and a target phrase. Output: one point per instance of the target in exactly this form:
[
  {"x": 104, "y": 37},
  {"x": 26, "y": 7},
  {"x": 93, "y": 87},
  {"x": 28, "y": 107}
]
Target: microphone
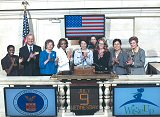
[{"x": 99, "y": 67}]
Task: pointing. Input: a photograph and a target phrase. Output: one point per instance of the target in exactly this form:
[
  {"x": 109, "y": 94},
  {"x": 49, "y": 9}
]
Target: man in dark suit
[{"x": 30, "y": 55}]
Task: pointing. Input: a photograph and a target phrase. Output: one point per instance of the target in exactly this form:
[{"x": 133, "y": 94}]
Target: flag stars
[{"x": 25, "y": 26}]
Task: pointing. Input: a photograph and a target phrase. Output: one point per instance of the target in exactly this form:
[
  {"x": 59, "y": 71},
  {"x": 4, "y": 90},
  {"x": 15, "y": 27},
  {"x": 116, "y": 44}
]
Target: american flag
[
  {"x": 25, "y": 27},
  {"x": 84, "y": 25}
]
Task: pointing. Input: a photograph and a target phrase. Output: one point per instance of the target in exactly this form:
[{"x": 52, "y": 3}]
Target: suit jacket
[
  {"x": 31, "y": 68},
  {"x": 121, "y": 68},
  {"x": 101, "y": 64},
  {"x": 139, "y": 60}
]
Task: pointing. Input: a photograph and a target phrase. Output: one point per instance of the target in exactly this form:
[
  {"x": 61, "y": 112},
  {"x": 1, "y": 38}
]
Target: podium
[{"x": 84, "y": 93}]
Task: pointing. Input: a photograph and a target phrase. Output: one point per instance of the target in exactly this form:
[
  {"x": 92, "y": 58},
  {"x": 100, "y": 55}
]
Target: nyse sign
[{"x": 84, "y": 99}]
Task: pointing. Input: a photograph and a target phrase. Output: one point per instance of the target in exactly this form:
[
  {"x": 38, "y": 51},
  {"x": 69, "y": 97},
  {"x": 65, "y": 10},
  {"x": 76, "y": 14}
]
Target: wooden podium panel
[
  {"x": 85, "y": 73},
  {"x": 84, "y": 77},
  {"x": 82, "y": 71}
]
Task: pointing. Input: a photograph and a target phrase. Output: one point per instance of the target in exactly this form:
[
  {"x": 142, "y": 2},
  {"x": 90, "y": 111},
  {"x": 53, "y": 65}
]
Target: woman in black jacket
[{"x": 101, "y": 56}]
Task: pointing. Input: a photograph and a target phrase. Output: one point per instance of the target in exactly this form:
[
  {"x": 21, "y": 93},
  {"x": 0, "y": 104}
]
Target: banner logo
[
  {"x": 138, "y": 98},
  {"x": 30, "y": 106},
  {"x": 30, "y": 102},
  {"x": 140, "y": 104}
]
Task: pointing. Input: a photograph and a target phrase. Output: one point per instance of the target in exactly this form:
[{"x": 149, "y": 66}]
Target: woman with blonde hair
[{"x": 101, "y": 56}]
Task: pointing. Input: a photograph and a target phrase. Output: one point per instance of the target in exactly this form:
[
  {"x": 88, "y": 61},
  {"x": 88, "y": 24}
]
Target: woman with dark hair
[
  {"x": 63, "y": 55},
  {"x": 10, "y": 63},
  {"x": 118, "y": 60},
  {"x": 48, "y": 59},
  {"x": 83, "y": 56},
  {"x": 101, "y": 56},
  {"x": 93, "y": 43},
  {"x": 137, "y": 58}
]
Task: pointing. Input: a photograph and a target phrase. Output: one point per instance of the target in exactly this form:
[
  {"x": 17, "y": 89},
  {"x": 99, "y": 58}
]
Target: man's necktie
[{"x": 30, "y": 49}]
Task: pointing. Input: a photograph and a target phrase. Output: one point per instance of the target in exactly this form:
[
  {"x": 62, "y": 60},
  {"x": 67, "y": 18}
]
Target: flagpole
[
  {"x": 25, "y": 23},
  {"x": 25, "y": 3}
]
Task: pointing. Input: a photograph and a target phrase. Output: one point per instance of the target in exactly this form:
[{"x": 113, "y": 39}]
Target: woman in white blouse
[{"x": 63, "y": 55}]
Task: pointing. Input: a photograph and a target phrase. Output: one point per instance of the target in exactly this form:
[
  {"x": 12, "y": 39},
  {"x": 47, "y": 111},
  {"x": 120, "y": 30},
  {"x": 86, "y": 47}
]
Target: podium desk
[
  {"x": 96, "y": 77},
  {"x": 154, "y": 68}
]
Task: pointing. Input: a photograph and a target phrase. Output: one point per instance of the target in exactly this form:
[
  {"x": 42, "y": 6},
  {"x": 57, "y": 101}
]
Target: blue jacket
[{"x": 50, "y": 67}]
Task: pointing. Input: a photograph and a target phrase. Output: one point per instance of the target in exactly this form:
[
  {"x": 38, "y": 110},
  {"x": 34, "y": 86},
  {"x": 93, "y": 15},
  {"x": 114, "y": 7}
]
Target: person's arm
[
  {"x": 42, "y": 60},
  {"x": 123, "y": 61},
  {"x": 7, "y": 70},
  {"x": 56, "y": 59},
  {"x": 107, "y": 61},
  {"x": 62, "y": 58},
  {"x": 111, "y": 59},
  {"x": 111, "y": 64},
  {"x": 89, "y": 58},
  {"x": 141, "y": 61},
  {"x": 46, "y": 61},
  {"x": 37, "y": 54},
  {"x": 31, "y": 56},
  {"x": 23, "y": 55},
  {"x": 77, "y": 58},
  {"x": 95, "y": 57},
  {"x": 20, "y": 65}
]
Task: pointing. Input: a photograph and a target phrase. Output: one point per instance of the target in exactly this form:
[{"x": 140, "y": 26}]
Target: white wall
[
  {"x": 119, "y": 28},
  {"x": 10, "y": 33},
  {"x": 42, "y": 4},
  {"x": 48, "y": 30},
  {"x": 148, "y": 30}
]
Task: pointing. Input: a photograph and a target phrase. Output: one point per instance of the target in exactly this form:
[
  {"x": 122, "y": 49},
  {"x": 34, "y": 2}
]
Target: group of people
[
  {"x": 32, "y": 61},
  {"x": 115, "y": 60}
]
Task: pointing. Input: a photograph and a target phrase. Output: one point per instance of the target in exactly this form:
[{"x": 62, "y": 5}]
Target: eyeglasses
[
  {"x": 63, "y": 43},
  {"x": 101, "y": 43}
]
